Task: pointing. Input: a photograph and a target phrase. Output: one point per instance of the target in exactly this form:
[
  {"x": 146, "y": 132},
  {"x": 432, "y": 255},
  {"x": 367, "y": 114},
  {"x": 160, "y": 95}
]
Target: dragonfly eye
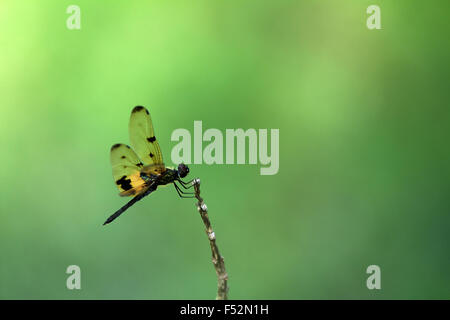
[{"x": 183, "y": 170}]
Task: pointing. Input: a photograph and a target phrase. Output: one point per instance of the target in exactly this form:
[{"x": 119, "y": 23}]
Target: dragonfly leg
[
  {"x": 184, "y": 192},
  {"x": 186, "y": 185},
  {"x": 181, "y": 193}
]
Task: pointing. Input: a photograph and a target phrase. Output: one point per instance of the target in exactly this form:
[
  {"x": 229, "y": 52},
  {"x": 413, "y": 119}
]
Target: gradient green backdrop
[{"x": 364, "y": 148}]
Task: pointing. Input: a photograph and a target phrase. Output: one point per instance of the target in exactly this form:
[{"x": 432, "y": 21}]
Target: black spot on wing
[
  {"x": 123, "y": 157},
  {"x": 137, "y": 109},
  {"x": 124, "y": 183},
  {"x": 151, "y": 155},
  {"x": 151, "y": 139},
  {"x": 115, "y": 146},
  {"x": 140, "y": 164}
]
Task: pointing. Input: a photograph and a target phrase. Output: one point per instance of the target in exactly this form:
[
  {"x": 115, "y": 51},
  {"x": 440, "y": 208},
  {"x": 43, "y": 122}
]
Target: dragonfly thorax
[{"x": 167, "y": 176}]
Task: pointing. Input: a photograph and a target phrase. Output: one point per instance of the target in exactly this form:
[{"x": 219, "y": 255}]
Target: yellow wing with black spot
[
  {"x": 126, "y": 169},
  {"x": 142, "y": 137}
]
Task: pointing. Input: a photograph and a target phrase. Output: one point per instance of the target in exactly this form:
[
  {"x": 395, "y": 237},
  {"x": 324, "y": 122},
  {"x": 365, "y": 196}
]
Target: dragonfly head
[{"x": 183, "y": 170}]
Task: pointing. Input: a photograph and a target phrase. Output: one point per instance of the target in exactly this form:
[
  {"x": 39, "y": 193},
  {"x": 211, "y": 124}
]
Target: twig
[{"x": 217, "y": 259}]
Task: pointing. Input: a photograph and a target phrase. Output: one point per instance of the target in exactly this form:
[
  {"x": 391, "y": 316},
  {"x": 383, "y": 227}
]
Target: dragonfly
[{"x": 139, "y": 170}]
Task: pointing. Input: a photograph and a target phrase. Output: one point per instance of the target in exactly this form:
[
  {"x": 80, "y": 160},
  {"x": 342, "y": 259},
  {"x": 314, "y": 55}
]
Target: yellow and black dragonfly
[{"x": 138, "y": 170}]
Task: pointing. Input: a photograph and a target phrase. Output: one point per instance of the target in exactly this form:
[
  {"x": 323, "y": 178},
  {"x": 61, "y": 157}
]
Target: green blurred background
[{"x": 364, "y": 159}]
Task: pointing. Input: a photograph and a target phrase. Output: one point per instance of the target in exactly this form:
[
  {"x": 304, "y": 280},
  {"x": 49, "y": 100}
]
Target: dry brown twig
[{"x": 217, "y": 259}]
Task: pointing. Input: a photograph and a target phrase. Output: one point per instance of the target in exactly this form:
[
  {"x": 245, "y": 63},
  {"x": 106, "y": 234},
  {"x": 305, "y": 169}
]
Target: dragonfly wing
[
  {"x": 126, "y": 169},
  {"x": 142, "y": 137}
]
